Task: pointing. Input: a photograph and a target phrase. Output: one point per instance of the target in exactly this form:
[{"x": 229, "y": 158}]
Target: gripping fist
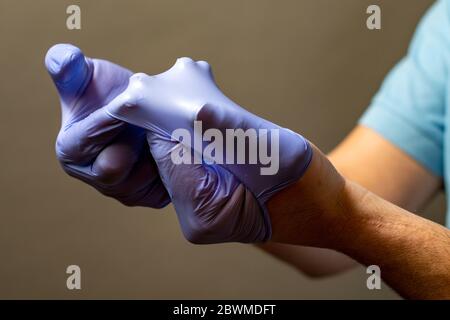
[
  {"x": 219, "y": 186},
  {"x": 92, "y": 146}
]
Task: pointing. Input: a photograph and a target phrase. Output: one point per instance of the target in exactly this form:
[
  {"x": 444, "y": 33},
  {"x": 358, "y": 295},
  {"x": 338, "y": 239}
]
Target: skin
[{"x": 343, "y": 203}]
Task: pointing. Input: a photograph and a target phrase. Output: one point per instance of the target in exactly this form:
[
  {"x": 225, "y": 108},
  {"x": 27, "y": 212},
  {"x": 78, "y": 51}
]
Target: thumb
[{"x": 69, "y": 69}]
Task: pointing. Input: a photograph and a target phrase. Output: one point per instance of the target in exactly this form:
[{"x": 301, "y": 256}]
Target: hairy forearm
[
  {"x": 412, "y": 252},
  {"x": 324, "y": 209},
  {"x": 368, "y": 159}
]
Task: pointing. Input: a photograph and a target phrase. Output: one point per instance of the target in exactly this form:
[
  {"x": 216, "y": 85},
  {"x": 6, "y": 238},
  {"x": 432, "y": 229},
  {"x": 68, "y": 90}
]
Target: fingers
[
  {"x": 208, "y": 199},
  {"x": 85, "y": 86},
  {"x": 69, "y": 69},
  {"x": 142, "y": 187},
  {"x": 93, "y": 146},
  {"x": 78, "y": 142},
  {"x": 114, "y": 163},
  {"x": 81, "y": 142}
]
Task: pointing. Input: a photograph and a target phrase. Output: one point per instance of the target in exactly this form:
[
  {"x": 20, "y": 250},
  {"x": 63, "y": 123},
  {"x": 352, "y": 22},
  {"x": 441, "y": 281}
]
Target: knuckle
[
  {"x": 195, "y": 236},
  {"x": 109, "y": 173},
  {"x": 205, "y": 231},
  {"x": 65, "y": 152}
]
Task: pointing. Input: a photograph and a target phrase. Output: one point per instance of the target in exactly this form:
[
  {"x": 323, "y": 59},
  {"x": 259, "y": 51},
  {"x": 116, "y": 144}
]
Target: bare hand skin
[{"x": 331, "y": 211}]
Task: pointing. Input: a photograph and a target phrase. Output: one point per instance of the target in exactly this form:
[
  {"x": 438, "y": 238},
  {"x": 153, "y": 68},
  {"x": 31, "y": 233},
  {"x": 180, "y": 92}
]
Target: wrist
[{"x": 308, "y": 212}]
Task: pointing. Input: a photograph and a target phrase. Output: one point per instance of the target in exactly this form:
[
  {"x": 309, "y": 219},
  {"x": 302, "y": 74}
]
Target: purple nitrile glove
[
  {"x": 219, "y": 183},
  {"x": 92, "y": 146}
]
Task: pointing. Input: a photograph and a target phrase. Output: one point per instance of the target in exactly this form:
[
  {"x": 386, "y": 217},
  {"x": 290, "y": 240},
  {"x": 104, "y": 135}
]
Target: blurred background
[{"x": 309, "y": 65}]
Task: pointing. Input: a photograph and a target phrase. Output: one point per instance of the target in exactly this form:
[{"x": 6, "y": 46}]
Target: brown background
[{"x": 310, "y": 65}]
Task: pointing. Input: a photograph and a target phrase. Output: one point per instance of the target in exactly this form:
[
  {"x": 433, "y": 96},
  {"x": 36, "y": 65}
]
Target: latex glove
[
  {"x": 92, "y": 146},
  {"x": 216, "y": 201}
]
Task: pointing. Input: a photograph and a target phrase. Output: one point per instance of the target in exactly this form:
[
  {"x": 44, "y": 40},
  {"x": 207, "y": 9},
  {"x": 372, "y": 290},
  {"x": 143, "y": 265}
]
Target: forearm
[
  {"x": 323, "y": 209},
  {"x": 412, "y": 252},
  {"x": 369, "y": 160}
]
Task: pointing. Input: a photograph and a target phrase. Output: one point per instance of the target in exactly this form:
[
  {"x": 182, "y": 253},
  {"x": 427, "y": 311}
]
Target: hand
[
  {"x": 92, "y": 146},
  {"x": 220, "y": 195}
]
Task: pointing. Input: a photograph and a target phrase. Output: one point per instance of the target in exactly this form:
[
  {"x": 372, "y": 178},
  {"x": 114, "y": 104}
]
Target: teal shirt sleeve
[{"x": 409, "y": 109}]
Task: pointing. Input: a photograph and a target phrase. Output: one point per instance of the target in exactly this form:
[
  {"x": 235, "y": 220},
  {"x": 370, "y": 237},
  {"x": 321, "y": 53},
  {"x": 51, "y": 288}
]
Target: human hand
[
  {"x": 92, "y": 146},
  {"x": 219, "y": 189}
]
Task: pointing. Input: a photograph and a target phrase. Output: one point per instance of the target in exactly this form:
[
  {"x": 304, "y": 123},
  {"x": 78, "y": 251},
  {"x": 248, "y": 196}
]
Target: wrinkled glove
[
  {"x": 218, "y": 192},
  {"x": 92, "y": 146}
]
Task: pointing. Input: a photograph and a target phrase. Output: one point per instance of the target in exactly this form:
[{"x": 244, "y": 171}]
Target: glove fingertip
[{"x": 68, "y": 67}]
